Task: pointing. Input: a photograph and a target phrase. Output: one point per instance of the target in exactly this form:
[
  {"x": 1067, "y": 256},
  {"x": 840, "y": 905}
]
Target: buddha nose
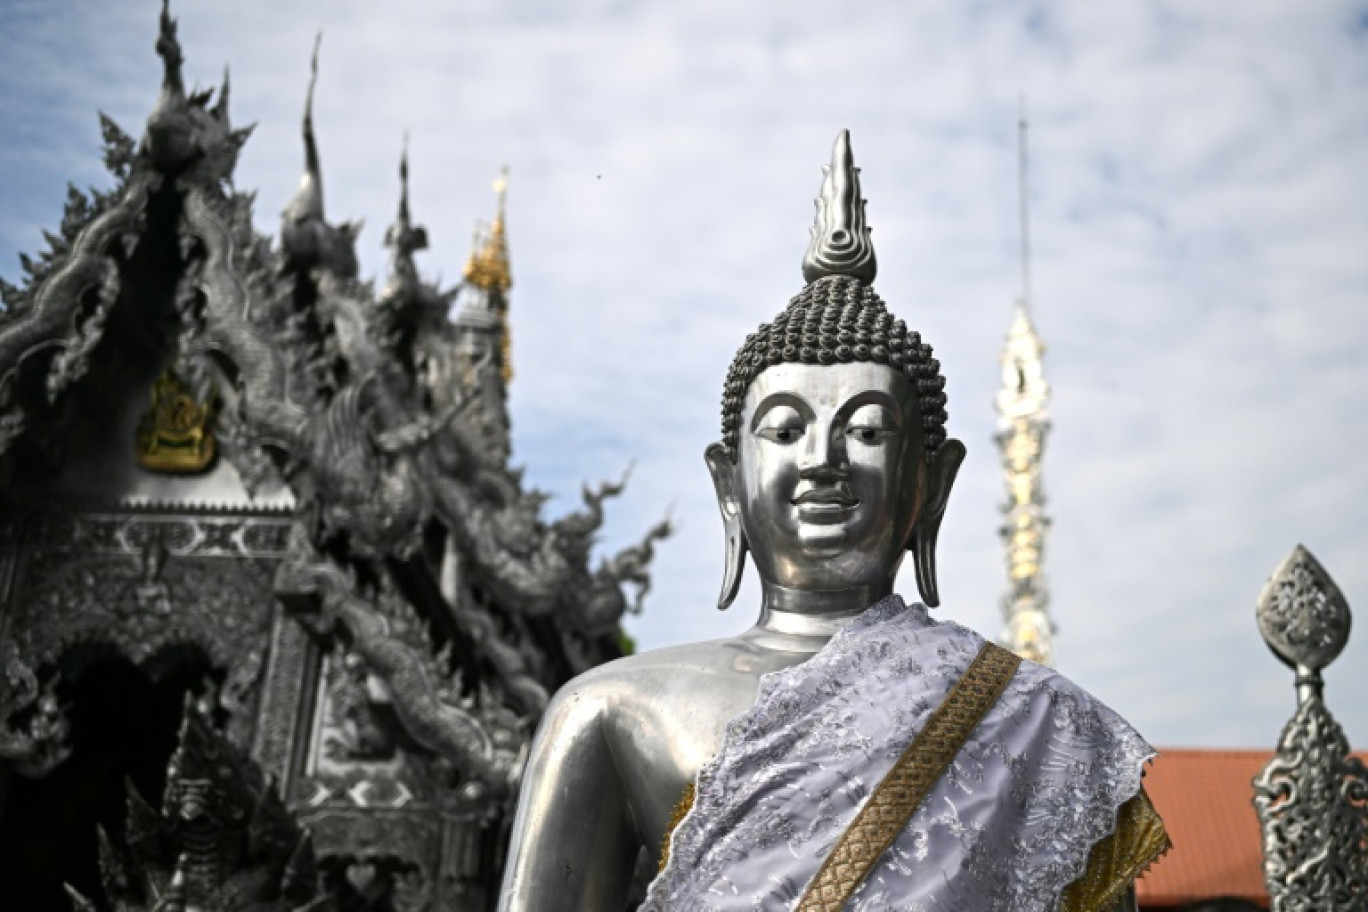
[
  {"x": 826, "y": 462},
  {"x": 824, "y": 474}
]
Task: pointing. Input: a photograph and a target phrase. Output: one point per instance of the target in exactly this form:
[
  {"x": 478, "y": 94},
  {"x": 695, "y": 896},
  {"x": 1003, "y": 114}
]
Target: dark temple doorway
[{"x": 124, "y": 725}]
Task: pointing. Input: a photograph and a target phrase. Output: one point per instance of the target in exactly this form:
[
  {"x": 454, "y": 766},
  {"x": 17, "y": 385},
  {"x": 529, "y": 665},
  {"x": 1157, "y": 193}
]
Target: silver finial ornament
[
  {"x": 1312, "y": 797},
  {"x": 840, "y": 244},
  {"x": 1302, "y": 614}
]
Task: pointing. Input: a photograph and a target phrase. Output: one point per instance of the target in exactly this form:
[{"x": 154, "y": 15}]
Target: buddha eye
[
  {"x": 869, "y": 435},
  {"x": 871, "y": 425},
  {"x": 782, "y": 434},
  {"x": 781, "y": 424}
]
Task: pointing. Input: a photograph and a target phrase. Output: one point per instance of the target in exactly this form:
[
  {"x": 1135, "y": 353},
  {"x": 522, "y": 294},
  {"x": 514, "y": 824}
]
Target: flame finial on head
[{"x": 840, "y": 237}]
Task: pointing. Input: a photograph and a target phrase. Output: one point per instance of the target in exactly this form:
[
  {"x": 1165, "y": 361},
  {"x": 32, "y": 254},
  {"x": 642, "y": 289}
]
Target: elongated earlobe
[
  {"x": 924, "y": 562},
  {"x": 735, "y": 562},
  {"x": 721, "y": 468},
  {"x": 944, "y": 467}
]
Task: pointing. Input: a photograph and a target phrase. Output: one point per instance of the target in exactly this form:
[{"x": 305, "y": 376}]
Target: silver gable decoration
[{"x": 384, "y": 639}]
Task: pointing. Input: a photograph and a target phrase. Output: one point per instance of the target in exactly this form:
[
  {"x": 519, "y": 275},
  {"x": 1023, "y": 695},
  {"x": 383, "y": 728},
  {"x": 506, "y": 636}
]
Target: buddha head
[{"x": 834, "y": 462}]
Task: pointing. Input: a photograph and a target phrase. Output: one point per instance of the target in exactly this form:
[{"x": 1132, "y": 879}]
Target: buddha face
[{"x": 830, "y": 479}]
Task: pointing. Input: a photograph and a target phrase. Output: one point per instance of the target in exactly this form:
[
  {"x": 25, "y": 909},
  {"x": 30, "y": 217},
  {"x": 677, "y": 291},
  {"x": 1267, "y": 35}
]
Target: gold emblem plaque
[{"x": 176, "y": 435}]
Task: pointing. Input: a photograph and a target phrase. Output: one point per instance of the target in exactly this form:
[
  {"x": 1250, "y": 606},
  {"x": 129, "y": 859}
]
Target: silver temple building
[{"x": 277, "y": 615}]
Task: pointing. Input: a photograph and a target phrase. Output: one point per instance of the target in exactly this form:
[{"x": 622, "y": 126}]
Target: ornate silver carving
[
  {"x": 141, "y": 601},
  {"x": 282, "y": 717},
  {"x": 142, "y": 584},
  {"x": 1302, "y": 614},
  {"x": 305, "y": 235},
  {"x": 423, "y": 698},
  {"x": 386, "y": 422},
  {"x": 39, "y": 743},
  {"x": 1312, "y": 797},
  {"x": 185, "y": 131},
  {"x": 50, "y": 314},
  {"x": 222, "y": 839}
]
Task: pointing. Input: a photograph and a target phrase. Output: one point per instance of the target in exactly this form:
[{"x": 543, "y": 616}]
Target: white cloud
[{"x": 1200, "y": 222}]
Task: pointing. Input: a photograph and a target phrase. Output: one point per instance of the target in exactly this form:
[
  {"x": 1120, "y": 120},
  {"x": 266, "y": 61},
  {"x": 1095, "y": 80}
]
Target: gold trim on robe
[
  {"x": 901, "y": 792},
  {"x": 1116, "y": 861},
  {"x": 677, "y": 815}
]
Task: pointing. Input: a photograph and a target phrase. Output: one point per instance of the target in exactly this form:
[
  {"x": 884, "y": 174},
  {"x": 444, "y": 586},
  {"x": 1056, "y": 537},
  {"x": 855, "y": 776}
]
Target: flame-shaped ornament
[{"x": 840, "y": 237}]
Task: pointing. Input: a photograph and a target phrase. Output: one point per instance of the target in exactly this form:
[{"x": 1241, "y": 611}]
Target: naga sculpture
[{"x": 222, "y": 840}]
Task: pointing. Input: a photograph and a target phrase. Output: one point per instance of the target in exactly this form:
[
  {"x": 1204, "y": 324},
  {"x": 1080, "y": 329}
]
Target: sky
[{"x": 1200, "y": 262}]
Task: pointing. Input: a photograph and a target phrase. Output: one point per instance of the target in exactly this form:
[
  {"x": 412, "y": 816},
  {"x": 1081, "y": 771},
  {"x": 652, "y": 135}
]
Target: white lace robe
[{"x": 1006, "y": 829}]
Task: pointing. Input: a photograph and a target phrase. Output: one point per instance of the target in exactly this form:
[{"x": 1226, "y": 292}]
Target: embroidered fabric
[{"x": 1007, "y": 827}]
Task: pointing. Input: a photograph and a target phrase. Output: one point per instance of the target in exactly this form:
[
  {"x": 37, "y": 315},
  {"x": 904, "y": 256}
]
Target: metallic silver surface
[
  {"x": 306, "y": 236},
  {"x": 830, "y": 486},
  {"x": 830, "y": 482},
  {"x": 621, "y": 743},
  {"x": 1303, "y": 616},
  {"x": 840, "y": 243},
  {"x": 828, "y": 479},
  {"x": 1312, "y": 797}
]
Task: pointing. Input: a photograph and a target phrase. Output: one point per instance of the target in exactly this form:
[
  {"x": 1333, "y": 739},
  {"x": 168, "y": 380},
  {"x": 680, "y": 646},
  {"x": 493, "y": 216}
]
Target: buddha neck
[{"x": 816, "y": 614}]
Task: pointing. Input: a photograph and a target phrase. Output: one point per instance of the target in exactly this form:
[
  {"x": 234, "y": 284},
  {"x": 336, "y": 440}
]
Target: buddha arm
[{"x": 573, "y": 845}]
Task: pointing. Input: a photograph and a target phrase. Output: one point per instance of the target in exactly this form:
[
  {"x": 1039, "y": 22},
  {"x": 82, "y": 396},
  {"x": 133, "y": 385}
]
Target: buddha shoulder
[{"x": 712, "y": 674}]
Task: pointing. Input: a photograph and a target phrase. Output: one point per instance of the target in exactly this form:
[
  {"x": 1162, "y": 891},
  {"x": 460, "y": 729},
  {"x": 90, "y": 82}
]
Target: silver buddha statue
[{"x": 833, "y": 465}]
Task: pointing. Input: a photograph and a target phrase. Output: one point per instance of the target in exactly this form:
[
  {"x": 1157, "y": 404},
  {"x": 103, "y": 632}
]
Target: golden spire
[
  {"x": 488, "y": 267},
  {"x": 488, "y": 270}
]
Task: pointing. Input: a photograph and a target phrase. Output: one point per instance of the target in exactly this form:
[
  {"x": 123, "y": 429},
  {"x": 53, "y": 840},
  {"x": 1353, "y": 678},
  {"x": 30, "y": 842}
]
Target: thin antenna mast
[{"x": 1023, "y": 179}]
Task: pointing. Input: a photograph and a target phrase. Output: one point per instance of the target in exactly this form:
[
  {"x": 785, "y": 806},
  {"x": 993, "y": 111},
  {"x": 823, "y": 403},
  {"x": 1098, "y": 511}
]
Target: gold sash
[{"x": 902, "y": 790}]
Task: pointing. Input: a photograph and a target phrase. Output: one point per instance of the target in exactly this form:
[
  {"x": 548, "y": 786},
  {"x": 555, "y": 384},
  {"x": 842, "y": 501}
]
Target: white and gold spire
[{"x": 1023, "y": 424}]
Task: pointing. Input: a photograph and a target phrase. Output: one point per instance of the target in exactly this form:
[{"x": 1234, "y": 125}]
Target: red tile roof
[{"x": 1206, "y": 800}]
